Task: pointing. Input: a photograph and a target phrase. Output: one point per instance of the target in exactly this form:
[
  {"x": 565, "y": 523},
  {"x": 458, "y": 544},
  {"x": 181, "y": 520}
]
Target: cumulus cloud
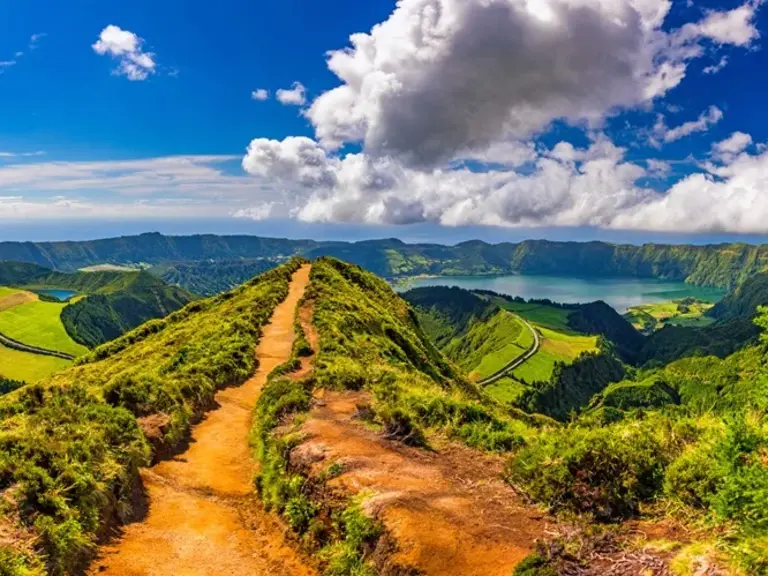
[
  {"x": 566, "y": 186},
  {"x": 443, "y": 101},
  {"x": 707, "y": 119},
  {"x": 296, "y": 96},
  {"x": 439, "y": 77},
  {"x": 260, "y": 95},
  {"x": 126, "y": 48}
]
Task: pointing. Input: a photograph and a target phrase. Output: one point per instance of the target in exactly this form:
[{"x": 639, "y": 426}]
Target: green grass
[
  {"x": 555, "y": 347},
  {"x": 505, "y": 390},
  {"x": 488, "y": 346},
  {"x": 16, "y": 365},
  {"x": 70, "y": 446},
  {"x": 39, "y": 324},
  {"x": 544, "y": 316},
  {"x": 5, "y": 291},
  {"x": 687, "y": 312}
]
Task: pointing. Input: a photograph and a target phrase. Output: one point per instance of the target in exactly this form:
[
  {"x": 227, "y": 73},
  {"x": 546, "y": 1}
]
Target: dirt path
[
  {"x": 448, "y": 511},
  {"x": 203, "y": 516}
]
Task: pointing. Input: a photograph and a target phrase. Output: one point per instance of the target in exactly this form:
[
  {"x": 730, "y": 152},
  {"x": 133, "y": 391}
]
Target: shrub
[{"x": 607, "y": 472}]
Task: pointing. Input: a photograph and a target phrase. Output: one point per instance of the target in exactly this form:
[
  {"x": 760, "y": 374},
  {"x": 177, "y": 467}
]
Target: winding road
[
  {"x": 21, "y": 347},
  {"x": 516, "y": 362}
]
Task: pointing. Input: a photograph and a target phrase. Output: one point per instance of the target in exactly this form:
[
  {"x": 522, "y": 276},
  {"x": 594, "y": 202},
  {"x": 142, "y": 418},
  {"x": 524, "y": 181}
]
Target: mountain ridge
[{"x": 722, "y": 265}]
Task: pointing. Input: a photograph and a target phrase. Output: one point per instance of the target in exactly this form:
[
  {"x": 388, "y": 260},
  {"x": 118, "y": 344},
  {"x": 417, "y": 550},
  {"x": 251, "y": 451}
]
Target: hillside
[
  {"x": 104, "y": 316},
  {"x": 725, "y": 265},
  {"x": 743, "y": 301},
  {"x": 210, "y": 278},
  {"x": 482, "y": 332},
  {"x": 82, "y": 423}
]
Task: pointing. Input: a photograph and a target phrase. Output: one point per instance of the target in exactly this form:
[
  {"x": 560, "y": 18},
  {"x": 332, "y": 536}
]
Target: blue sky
[{"x": 504, "y": 119}]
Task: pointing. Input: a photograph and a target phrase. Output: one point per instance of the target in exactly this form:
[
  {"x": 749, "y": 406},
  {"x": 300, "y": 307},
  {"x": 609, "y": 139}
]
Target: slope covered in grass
[
  {"x": 370, "y": 338},
  {"x": 690, "y": 437},
  {"x": 111, "y": 312},
  {"x": 70, "y": 447},
  {"x": 39, "y": 323}
]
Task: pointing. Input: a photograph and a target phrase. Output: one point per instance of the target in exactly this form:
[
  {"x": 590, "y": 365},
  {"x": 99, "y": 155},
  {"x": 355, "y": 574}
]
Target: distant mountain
[{"x": 724, "y": 265}]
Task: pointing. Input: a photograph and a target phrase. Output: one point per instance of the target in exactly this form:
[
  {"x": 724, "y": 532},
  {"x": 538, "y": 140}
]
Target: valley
[{"x": 314, "y": 421}]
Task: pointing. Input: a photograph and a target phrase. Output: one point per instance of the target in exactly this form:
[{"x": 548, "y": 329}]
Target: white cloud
[
  {"x": 439, "y": 77},
  {"x": 707, "y": 119},
  {"x": 727, "y": 150},
  {"x": 715, "y": 68},
  {"x": 7, "y": 63},
  {"x": 168, "y": 187},
  {"x": 736, "y": 27},
  {"x": 444, "y": 84},
  {"x": 566, "y": 186},
  {"x": 21, "y": 154},
  {"x": 659, "y": 168},
  {"x": 260, "y": 95},
  {"x": 257, "y": 213},
  {"x": 296, "y": 96},
  {"x": 126, "y": 47}
]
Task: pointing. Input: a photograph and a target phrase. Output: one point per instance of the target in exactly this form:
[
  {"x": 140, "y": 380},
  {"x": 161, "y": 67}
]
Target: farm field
[
  {"x": 25, "y": 318},
  {"x": 555, "y": 347},
  {"x": 544, "y": 316},
  {"x": 16, "y": 365},
  {"x": 490, "y": 345},
  {"x": 648, "y": 318},
  {"x": 506, "y": 390}
]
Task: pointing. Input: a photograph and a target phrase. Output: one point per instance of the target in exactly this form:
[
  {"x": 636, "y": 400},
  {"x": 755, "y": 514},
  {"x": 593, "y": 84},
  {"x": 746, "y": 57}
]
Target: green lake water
[{"x": 620, "y": 293}]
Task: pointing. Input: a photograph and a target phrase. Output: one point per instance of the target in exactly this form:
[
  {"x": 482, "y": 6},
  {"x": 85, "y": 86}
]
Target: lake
[
  {"x": 61, "y": 295},
  {"x": 620, "y": 293}
]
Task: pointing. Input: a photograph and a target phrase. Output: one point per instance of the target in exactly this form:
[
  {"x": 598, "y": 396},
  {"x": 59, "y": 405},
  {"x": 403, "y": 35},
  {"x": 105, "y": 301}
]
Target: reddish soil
[
  {"x": 447, "y": 512},
  {"x": 16, "y": 299},
  {"x": 203, "y": 517}
]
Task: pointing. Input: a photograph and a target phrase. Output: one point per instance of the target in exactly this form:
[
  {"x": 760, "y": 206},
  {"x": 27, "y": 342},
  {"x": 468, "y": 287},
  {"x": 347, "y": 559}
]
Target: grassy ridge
[
  {"x": 71, "y": 446},
  {"x": 104, "y": 316}
]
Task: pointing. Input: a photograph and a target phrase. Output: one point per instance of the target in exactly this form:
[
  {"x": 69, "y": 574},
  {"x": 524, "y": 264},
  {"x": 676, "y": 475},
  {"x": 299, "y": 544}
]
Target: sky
[{"x": 429, "y": 120}]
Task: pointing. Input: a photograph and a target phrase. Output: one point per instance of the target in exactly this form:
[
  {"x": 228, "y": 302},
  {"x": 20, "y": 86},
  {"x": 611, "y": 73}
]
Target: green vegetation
[
  {"x": 28, "y": 367},
  {"x": 102, "y": 317},
  {"x": 724, "y": 265},
  {"x": 489, "y": 346},
  {"x": 691, "y": 436},
  {"x": 211, "y": 278},
  {"x": 39, "y": 323},
  {"x": 71, "y": 446},
  {"x": 648, "y": 318},
  {"x": 7, "y": 385}
]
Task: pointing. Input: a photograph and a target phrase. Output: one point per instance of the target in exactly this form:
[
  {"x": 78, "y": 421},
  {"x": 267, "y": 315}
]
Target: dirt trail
[
  {"x": 203, "y": 516},
  {"x": 448, "y": 511}
]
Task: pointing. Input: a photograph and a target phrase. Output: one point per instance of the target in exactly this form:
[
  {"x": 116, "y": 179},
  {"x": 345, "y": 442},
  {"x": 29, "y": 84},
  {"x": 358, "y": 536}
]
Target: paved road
[
  {"x": 517, "y": 362},
  {"x": 21, "y": 347}
]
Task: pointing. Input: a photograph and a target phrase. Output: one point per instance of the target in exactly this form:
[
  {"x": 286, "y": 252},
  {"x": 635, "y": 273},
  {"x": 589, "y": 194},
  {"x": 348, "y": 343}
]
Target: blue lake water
[
  {"x": 62, "y": 295},
  {"x": 620, "y": 293}
]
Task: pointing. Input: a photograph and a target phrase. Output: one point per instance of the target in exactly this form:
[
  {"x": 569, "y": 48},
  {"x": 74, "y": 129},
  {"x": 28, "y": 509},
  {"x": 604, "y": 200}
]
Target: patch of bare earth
[
  {"x": 204, "y": 518},
  {"x": 446, "y": 512},
  {"x": 16, "y": 299}
]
